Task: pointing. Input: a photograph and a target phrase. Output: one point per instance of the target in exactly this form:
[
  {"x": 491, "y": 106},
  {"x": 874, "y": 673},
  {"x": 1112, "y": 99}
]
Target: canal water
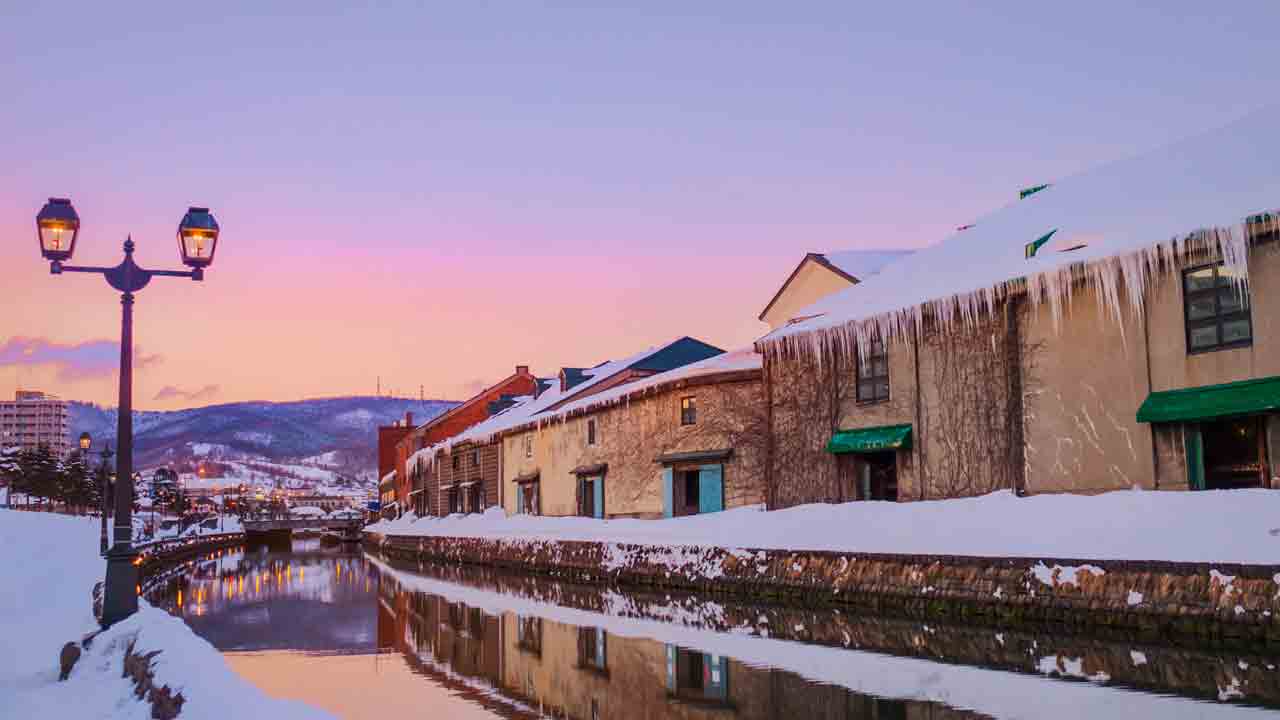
[{"x": 364, "y": 638}]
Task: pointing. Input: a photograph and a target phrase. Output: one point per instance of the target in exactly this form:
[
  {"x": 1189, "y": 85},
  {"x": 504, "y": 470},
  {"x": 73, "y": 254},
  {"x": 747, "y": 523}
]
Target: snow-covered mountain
[{"x": 338, "y": 434}]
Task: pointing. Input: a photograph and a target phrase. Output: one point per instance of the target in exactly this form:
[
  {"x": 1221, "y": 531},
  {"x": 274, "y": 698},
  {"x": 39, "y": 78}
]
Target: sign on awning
[{"x": 869, "y": 440}]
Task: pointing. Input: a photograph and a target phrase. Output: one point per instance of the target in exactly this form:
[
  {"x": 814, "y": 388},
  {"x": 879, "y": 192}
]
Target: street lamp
[
  {"x": 57, "y": 227},
  {"x": 104, "y": 486}
]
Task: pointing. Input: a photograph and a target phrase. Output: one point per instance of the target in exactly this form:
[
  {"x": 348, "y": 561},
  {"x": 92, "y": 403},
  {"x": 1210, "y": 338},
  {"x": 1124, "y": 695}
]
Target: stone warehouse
[
  {"x": 1080, "y": 340},
  {"x": 684, "y": 442}
]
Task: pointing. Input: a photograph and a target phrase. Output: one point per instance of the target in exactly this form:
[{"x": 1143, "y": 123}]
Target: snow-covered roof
[
  {"x": 528, "y": 409},
  {"x": 743, "y": 359},
  {"x": 1107, "y": 225},
  {"x": 862, "y": 264}
]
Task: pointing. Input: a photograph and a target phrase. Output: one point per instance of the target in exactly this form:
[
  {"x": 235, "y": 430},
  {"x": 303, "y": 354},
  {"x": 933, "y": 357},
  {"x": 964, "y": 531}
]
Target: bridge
[{"x": 282, "y": 528}]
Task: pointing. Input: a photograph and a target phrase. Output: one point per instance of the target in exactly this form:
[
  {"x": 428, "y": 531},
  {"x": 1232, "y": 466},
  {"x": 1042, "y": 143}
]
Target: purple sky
[{"x": 435, "y": 194}]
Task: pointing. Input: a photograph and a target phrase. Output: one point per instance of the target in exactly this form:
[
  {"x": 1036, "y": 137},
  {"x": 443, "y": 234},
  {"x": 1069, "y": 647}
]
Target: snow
[
  {"x": 1122, "y": 525},
  {"x": 254, "y": 437},
  {"x": 1064, "y": 574},
  {"x": 862, "y": 264},
  {"x": 51, "y": 567},
  {"x": 993, "y": 693},
  {"x": 529, "y": 410},
  {"x": 1176, "y": 200}
]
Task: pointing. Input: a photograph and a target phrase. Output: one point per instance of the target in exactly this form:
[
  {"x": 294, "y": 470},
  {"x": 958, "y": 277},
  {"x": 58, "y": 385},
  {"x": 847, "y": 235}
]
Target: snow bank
[
  {"x": 994, "y": 693},
  {"x": 51, "y": 564},
  {"x": 1124, "y": 525}
]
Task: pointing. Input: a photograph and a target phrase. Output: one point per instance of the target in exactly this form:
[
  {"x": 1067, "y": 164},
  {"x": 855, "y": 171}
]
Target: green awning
[
  {"x": 1246, "y": 397},
  {"x": 873, "y": 439}
]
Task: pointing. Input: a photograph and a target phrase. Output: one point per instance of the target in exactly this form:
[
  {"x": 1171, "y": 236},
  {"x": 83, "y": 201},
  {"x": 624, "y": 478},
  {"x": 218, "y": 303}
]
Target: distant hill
[{"x": 343, "y": 430}]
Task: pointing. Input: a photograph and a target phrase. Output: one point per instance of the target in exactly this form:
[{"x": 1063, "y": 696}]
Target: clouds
[
  {"x": 172, "y": 392},
  {"x": 73, "y": 361}
]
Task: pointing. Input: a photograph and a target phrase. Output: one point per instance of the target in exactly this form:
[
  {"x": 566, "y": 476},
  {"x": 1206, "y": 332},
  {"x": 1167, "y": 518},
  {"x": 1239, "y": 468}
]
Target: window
[
  {"x": 591, "y": 431},
  {"x": 1216, "y": 310},
  {"x": 527, "y": 499},
  {"x": 528, "y": 445},
  {"x": 475, "y": 458},
  {"x": 592, "y": 649},
  {"x": 455, "y": 462},
  {"x": 529, "y": 634},
  {"x": 873, "y": 374},
  {"x": 688, "y": 410}
]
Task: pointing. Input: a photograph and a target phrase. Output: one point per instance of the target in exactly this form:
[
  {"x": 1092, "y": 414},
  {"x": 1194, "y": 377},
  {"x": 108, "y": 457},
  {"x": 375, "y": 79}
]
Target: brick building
[
  {"x": 467, "y": 471},
  {"x": 411, "y": 479}
]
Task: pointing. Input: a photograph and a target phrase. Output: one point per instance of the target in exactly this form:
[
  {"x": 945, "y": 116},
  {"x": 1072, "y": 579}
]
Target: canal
[{"x": 364, "y": 638}]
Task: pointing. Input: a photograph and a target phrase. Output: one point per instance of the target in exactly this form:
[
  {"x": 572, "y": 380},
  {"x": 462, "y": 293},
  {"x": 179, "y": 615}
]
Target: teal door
[
  {"x": 710, "y": 488},
  {"x": 1195, "y": 457},
  {"x": 668, "y": 506},
  {"x": 597, "y": 487}
]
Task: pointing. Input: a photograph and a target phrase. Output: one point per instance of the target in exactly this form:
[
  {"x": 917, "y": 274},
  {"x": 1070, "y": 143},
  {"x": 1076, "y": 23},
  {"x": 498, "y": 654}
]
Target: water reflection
[
  {"x": 466, "y": 642},
  {"x": 262, "y": 599}
]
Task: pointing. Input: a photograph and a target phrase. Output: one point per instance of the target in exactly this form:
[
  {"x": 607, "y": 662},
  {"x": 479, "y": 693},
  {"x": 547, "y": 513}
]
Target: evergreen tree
[
  {"x": 77, "y": 487},
  {"x": 10, "y": 475}
]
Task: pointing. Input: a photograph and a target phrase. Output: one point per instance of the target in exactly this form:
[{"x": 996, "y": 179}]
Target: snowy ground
[
  {"x": 51, "y": 565},
  {"x": 1238, "y": 526}
]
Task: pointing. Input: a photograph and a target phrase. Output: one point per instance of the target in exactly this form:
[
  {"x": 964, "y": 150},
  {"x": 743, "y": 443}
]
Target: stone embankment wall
[
  {"x": 1205, "y": 600},
  {"x": 159, "y": 558},
  {"x": 1214, "y": 670}
]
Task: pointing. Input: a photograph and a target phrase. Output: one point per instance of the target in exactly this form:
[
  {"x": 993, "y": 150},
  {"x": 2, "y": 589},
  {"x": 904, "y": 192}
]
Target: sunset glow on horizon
[{"x": 424, "y": 199}]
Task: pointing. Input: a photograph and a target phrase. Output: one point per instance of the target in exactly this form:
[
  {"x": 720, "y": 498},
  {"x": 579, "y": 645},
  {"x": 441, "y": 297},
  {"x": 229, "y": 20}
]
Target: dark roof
[
  {"x": 572, "y": 376},
  {"x": 677, "y": 354},
  {"x": 700, "y": 456}
]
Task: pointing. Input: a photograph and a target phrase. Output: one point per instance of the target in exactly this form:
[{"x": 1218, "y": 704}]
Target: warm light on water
[{"x": 361, "y": 642}]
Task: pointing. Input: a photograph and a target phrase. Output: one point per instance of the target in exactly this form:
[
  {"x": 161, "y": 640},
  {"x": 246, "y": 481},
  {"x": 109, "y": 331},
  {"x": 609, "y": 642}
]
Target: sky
[{"x": 420, "y": 196}]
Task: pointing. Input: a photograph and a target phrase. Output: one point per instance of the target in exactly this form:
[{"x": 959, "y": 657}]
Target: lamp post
[
  {"x": 57, "y": 228},
  {"x": 104, "y": 486}
]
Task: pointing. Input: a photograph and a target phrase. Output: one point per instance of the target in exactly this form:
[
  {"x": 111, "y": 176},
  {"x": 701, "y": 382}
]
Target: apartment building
[{"x": 34, "y": 418}]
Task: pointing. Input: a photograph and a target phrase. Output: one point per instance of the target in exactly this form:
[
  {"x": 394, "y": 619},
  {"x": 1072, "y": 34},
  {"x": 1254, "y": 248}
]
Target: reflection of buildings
[
  {"x": 262, "y": 601},
  {"x": 522, "y": 666}
]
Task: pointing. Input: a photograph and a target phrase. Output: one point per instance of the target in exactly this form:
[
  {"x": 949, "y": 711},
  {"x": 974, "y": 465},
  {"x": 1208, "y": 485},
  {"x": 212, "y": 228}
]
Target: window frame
[
  {"x": 689, "y": 410},
  {"x": 1219, "y": 319},
  {"x": 862, "y": 374}
]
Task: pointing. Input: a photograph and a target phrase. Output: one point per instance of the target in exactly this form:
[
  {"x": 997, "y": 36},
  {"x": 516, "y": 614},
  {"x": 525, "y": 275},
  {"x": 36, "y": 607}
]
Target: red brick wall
[
  {"x": 389, "y": 438},
  {"x": 455, "y": 421}
]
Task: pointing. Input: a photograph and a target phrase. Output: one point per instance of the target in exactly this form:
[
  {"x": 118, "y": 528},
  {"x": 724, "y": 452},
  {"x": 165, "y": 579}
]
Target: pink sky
[{"x": 434, "y": 195}]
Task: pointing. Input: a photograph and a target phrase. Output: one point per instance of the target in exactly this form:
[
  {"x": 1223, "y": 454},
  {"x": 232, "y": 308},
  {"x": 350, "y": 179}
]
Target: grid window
[
  {"x": 688, "y": 411},
  {"x": 1216, "y": 310},
  {"x": 873, "y": 374}
]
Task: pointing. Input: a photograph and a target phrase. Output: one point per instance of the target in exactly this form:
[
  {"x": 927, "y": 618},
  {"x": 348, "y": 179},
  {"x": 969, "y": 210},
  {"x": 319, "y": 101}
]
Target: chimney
[
  {"x": 408, "y": 419},
  {"x": 522, "y": 369}
]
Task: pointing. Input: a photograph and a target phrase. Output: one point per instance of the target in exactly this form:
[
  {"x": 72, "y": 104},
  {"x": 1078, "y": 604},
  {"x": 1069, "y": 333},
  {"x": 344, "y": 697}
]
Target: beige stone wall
[
  {"x": 811, "y": 283},
  {"x": 1081, "y": 430},
  {"x": 1172, "y": 367},
  {"x": 629, "y": 436}
]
